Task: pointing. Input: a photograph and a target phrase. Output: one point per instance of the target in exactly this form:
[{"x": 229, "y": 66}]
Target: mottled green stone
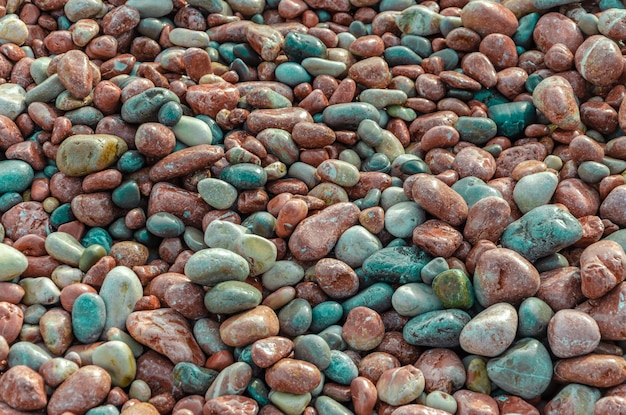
[
  {"x": 377, "y": 297},
  {"x": 231, "y": 297},
  {"x": 349, "y": 115},
  {"x": 476, "y": 130},
  {"x": 534, "y": 315},
  {"x": 440, "y": 328},
  {"x": 15, "y": 176},
  {"x": 325, "y": 314},
  {"x": 512, "y": 118},
  {"x": 165, "y": 225},
  {"x": 298, "y": 46},
  {"x": 295, "y": 317},
  {"x": 27, "y": 354},
  {"x": 193, "y": 379},
  {"x": 144, "y": 107},
  {"x": 244, "y": 176},
  {"x": 313, "y": 349},
  {"x": 396, "y": 265},
  {"x": 341, "y": 368},
  {"x": 454, "y": 289}
]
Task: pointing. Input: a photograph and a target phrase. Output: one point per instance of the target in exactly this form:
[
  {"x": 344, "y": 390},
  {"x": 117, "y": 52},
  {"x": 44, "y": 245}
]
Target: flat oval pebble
[
  {"x": 491, "y": 331},
  {"x": 534, "y": 190},
  {"x": 230, "y": 297},
  {"x": 80, "y": 155},
  {"x": 94, "y": 384},
  {"x": 120, "y": 291},
  {"x": 12, "y": 262},
  {"x": 439, "y": 328},
  {"x": 245, "y": 328},
  {"x": 88, "y": 317},
  {"x": 401, "y": 385},
  {"x": 118, "y": 360},
  {"x": 438, "y": 199},
  {"x": 214, "y": 265},
  {"x": 597, "y": 370}
]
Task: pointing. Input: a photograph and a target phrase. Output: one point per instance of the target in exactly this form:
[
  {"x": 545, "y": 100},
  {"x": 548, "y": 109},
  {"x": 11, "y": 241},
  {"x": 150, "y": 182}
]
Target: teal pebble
[
  {"x": 534, "y": 190},
  {"x": 402, "y": 218},
  {"x": 15, "y": 176},
  {"x": 472, "y": 189},
  {"x": 62, "y": 214},
  {"x": 542, "y": 231},
  {"x": 491, "y": 97},
  {"x": 131, "y": 161},
  {"x": 341, "y": 368},
  {"x": 449, "y": 56},
  {"x": 440, "y": 328},
  {"x": 119, "y": 230},
  {"x": 292, "y": 74},
  {"x": 89, "y": 116},
  {"x": 231, "y": 297},
  {"x": 550, "y": 262},
  {"x": 207, "y": 334},
  {"x": 193, "y": 379},
  {"x": 27, "y": 354},
  {"x": 194, "y": 238},
  {"x": 377, "y": 162},
  {"x": 533, "y": 318},
  {"x": 525, "y": 369},
  {"x": 261, "y": 224},
  {"x": 127, "y": 195},
  {"x": 258, "y": 391},
  {"x": 144, "y": 107},
  {"x": 298, "y": 46},
  {"x": 349, "y": 115},
  {"x": 97, "y": 236},
  {"x": 313, "y": 349},
  {"x": 103, "y": 410},
  {"x": 616, "y": 166},
  {"x": 476, "y": 130},
  {"x": 9, "y": 199},
  {"x": 401, "y": 55},
  {"x": 592, "y": 172},
  {"x": 524, "y": 34},
  {"x": 165, "y": 225},
  {"x": 295, "y": 318},
  {"x": 396, "y": 264},
  {"x": 324, "y": 315},
  {"x": 328, "y": 406},
  {"x": 512, "y": 118},
  {"x": 145, "y": 237},
  {"x": 244, "y": 176},
  {"x": 377, "y": 297},
  {"x": 170, "y": 113}
]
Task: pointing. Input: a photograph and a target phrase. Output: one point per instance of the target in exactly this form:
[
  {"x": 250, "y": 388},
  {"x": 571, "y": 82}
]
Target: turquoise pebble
[
  {"x": 332, "y": 335},
  {"x": 127, "y": 195},
  {"x": 403, "y": 113},
  {"x": 304, "y": 172},
  {"x": 193, "y": 379},
  {"x": 377, "y": 297},
  {"x": 472, "y": 189},
  {"x": 392, "y": 195},
  {"x": 131, "y": 161},
  {"x": 610, "y": 4},
  {"x": 211, "y": 266},
  {"x": 524, "y": 34},
  {"x": 89, "y": 116},
  {"x": 244, "y": 176},
  {"x": 194, "y": 238},
  {"x": 119, "y": 230},
  {"x": 364, "y": 150},
  {"x": 230, "y": 297},
  {"x": 396, "y": 264},
  {"x": 414, "y": 166},
  {"x": 107, "y": 409},
  {"x": 415, "y": 298},
  {"x": 402, "y": 218},
  {"x": 144, "y": 107},
  {"x": 246, "y": 53},
  {"x": 341, "y": 368},
  {"x": 324, "y": 315},
  {"x": 418, "y": 44},
  {"x": 534, "y": 190},
  {"x": 295, "y": 317},
  {"x": 476, "y": 130},
  {"x": 401, "y": 55},
  {"x": 378, "y": 162},
  {"x": 298, "y": 46},
  {"x": 226, "y": 52},
  {"x": 454, "y": 289},
  {"x": 10, "y": 199},
  {"x": 165, "y": 225},
  {"x": 261, "y": 224},
  {"x": 279, "y": 143},
  {"x": 532, "y": 82},
  {"x": 313, "y": 349},
  {"x": 46, "y": 91},
  {"x": 491, "y": 97},
  {"x": 533, "y": 318},
  {"x": 151, "y": 27},
  {"x": 170, "y": 113},
  {"x": 449, "y": 56},
  {"x": 550, "y": 262},
  {"x": 512, "y": 118},
  {"x": 258, "y": 391},
  {"x": 328, "y": 406},
  {"x": 616, "y": 166},
  {"x": 349, "y": 115},
  {"x": 592, "y": 172},
  {"x": 27, "y": 354},
  {"x": 440, "y": 328},
  {"x": 120, "y": 291},
  {"x": 449, "y": 23},
  {"x": 525, "y": 369},
  {"x": 292, "y": 74},
  {"x": 145, "y": 237},
  {"x": 62, "y": 214},
  {"x": 541, "y": 232},
  {"x": 15, "y": 176}
]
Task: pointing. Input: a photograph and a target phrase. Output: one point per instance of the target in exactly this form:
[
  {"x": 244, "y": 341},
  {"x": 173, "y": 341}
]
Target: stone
[
  {"x": 12, "y": 262},
  {"x": 80, "y": 155},
  {"x": 439, "y": 328},
  {"x": 282, "y": 375},
  {"x": 602, "y": 267},
  {"x": 491, "y": 331},
  {"x": 250, "y": 326},
  {"x": 555, "y": 98},
  {"x": 572, "y": 333},
  {"x": 120, "y": 291},
  {"x": 23, "y": 389},
  {"x": 401, "y": 385},
  {"x": 232, "y": 380},
  {"x": 214, "y": 265},
  {"x": 87, "y": 388},
  {"x": 117, "y": 359},
  {"x": 363, "y": 329}
]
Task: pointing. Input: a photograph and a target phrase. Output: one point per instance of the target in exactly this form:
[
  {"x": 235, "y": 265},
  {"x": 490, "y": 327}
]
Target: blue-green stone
[
  {"x": 231, "y": 297},
  {"x": 490, "y": 97},
  {"x": 525, "y": 369},
  {"x": 328, "y": 406},
  {"x": 534, "y": 315},
  {"x": 454, "y": 289},
  {"x": 401, "y": 55},
  {"x": 532, "y": 82},
  {"x": 610, "y": 4},
  {"x": 193, "y": 379},
  {"x": 226, "y": 52},
  {"x": 119, "y": 230},
  {"x": 396, "y": 265},
  {"x": 357, "y": 28},
  {"x": 535, "y": 190},
  {"x": 147, "y": 238},
  {"x": 472, "y": 189},
  {"x": 89, "y": 116},
  {"x": 349, "y": 115},
  {"x": 402, "y": 218},
  {"x": 512, "y": 118},
  {"x": 551, "y": 262},
  {"x": 207, "y": 334},
  {"x": 145, "y": 106},
  {"x": 332, "y": 335},
  {"x": 619, "y": 237},
  {"x": 88, "y": 317},
  {"x": 62, "y": 214},
  {"x": 313, "y": 349},
  {"x": 592, "y": 172},
  {"x": 103, "y": 410},
  {"x": 27, "y": 354},
  {"x": 165, "y": 225},
  {"x": 341, "y": 368},
  {"x": 15, "y": 176},
  {"x": 440, "y": 328},
  {"x": 414, "y": 166},
  {"x": 403, "y": 113},
  {"x": 244, "y": 176},
  {"x": 216, "y": 131},
  {"x": 246, "y": 53},
  {"x": 298, "y": 46},
  {"x": 295, "y": 317},
  {"x": 418, "y": 44},
  {"x": 46, "y": 91},
  {"x": 151, "y": 27},
  {"x": 261, "y": 223},
  {"x": 415, "y": 298},
  {"x": 243, "y": 70},
  {"x": 97, "y": 236},
  {"x": 9, "y": 199},
  {"x": 258, "y": 391},
  {"x": 131, "y": 161},
  {"x": 542, "y": 231},
  {"x": 449, "y": 56},
  {"x": 127, "y": 195},
  {"x": 170, "y": 113},
  {"x": 524, "y": 34},
  {"x": 377, "y": 297},
  {"x": 325, "y": 314},
  {"x": 377, "y": 162},
  {"x": 476, "y": 130}
]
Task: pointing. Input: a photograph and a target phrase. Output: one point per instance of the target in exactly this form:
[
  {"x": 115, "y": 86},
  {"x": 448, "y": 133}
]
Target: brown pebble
[
  {"x": 23, "y": 389},
  {"x": 336, "y": 278},
  {"x": 572, "y": 333},
  {"x": 601, "y": 371},
  {"x": 442, "y": 369},
  {"x": 293, "y": 376},
  {"x": 85, "y": 389},
  {"x": 437, "y": 238},
  {"x": 266, "y": 352},
  {"x": 363, "y": 329},
  {"x": 230, "y": 405},
  {"x": 439, "y": 199},
  {"x": 602, "y": 267}
]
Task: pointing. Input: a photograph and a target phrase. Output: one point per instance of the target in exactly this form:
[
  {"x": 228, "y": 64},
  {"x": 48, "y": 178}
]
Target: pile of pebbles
[{"x": 312, "y": 207}]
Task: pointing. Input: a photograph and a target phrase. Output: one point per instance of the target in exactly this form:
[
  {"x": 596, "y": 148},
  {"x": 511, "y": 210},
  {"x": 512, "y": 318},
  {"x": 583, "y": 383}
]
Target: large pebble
[
  {"x": 85, "y": 389},
  {"x": 282, "y": 375},
  {"x": 120, "y": 291},
  {"x": 167, "y": 332},
  {"x": 232, "y": 380},
  {"x": 214, "y": 265},
  {"x": 13, "y": 30},
  {"x": 534, "y": 190},
  {"x": 401, "y": 385},
  {"x": 355, "y": 245},
  {"x": 250, "y": 326},
  {"x": 398, "y": 264},
  {"x": 588, "y": 55},
  {"x": 117, "y": 359},
  {"x": 80, "y": 155},
  {"x": 554, "y": 97},
  {"x": 439, "y": 328},
  {"x": 259, "y": 252},
  {"x": 12, "y": 262},
  {"x": 572, "y": 333},
  {"x": 23, "y": 389},
  {"x": 230, "y": 297},
  {"x": 15, "y": 176},
  {"x": 602, "y": 267},
  {"x": 487, "y": 17},
  {"x": 438, "y": 199},
  {"x": 491, "y": 332},
  {"x": 12, "y": 100},
  {"x": 597, "y": 370}
]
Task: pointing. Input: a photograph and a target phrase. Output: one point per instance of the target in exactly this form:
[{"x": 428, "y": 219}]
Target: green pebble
[
  {"x": 419, "y": 20},
  {"x": 298, "y": 46},
  {"x": 194, "y": 239},
  {"x": 261, "y": 224},
  {"x": 534, "y": 315},
  {"x": 491, "y": 97},
  {"x": 15, "y": 176},
  {"x": 258, "y": 251},
  {"x": 151, "y": 27},
  {"x": 454, "y": 289},
  {"x": 535, "y": 190},
  {"x": 258, "y": 391},
  {"x": 332, "y": 335},
  {"x": 89, "y": 116},
  {"x": 10, "y": 199},
  {"x": 341, "y": 368},
  {"x": 131, "y": 161},
  {"x": 189, "y": 38},
  {"x": 33, "y": 313},
  {"x": 418, "y": 44},
  {"x": 472, "y": 189},
  {"x": 450, "y": 59},
  {"x": 90, "y": 256},
  {"x": 355, "y": 245},
  {"x": 192, "y": 131},
  {"x": 402, "y": 218},
  {"x": 244, "y": 176},
  {"x": 404, "y": 113},
  {"x": 440, "y": 328},
  {"x": 349, "y": 115},
  {"x": 524, "y": 34},
  {"x": 396, "y": 265},
  {"x": 170, "y": 114},
  {"x": 211, "y": 266},
  {"x": 324, "y": 315},
  {"x": 401, "y": 55},
  {"x": 280, "y": 144},
  {"x": 27, "y": 354},
  {"x": 592, "y": 172},
  {"x": 525, "y": 369},
  {"x": 295, "y": 317},
  {"x": 46, "y": 91},
  {"x": 119, "y": 230},
  {"x": 222, "y": 234},
  {"x": 313, "y": 349},
  {"x": 217, "y": 193},
  {"x": 207, "y": 334},
  {"x": 62, "y": 214},
  {"x": 512, "y": 118},
  {"x": 319, "y": 66},
  {"x": 382, "y": 98},
  {"x": 377, "y": 297},
  {"x": 292, "y": 74},
  {"x": 247, "y": 54},
  {"x": 542, "y": 231},
  {"x": 107, "y": 409},
  {"x": 64, "y": 248},
  {"x": 82, "y": 154},
  {"x": 550, "y": 262},
  {"x": 328, "y": 406},
  {"x": 283, "y": 273},
  {"x": 476, "y": 130},
  {"x": 370, "y": 132},
  {"x": 230, "y": 297},
  {"x": 289, "y": 403},
  {"x": 616, "y": 166},
  {"x": 193, "y": 379},
  {"x": 145, "y": 106},
  {"x": 165, "y": 225},
  {"x": 127, "y": 195},
  {"x": 415, "y": 298}
]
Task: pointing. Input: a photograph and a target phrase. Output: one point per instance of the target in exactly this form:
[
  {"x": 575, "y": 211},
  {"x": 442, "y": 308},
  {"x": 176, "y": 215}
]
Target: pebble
[
  {"x": 120, "y": 290},
  {"x": 23, "y": 389},
  {"x": 439, "y": 328},
  {"x": 555, "y": 98},
  {"x": 214, "y": 265},
  {"x": 85, "y": 389},
  {"x": 80, "y": 155},
  {"x": 491, "y": 331},
  {"x": 543, "y": 185},
  {"x": 572, "y": 398},
  {"x": 229, "y": 297},
  {"x": 12, "y": 262},
  {"x": 401, "y": 264},
  {"x": 247, "y": 327},
  {"x": 400, "y": 386},
  {"x": 117, "y": 359}
]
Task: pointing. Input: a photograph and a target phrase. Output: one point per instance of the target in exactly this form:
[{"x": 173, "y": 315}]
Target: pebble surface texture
[{"x": 312, "y": 207}]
